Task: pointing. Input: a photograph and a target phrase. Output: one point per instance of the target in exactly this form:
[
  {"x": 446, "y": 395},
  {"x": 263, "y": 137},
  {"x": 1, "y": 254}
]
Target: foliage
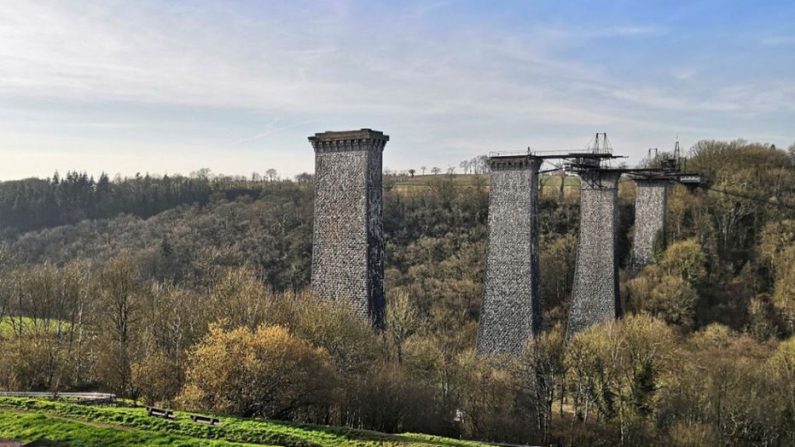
[
  {"x": 686, "y": 260},
  {"x": 616, "y": 370},
  {"x": 267, "y": 372},
  {"x": 668, "y": 297},
  {"x": 542, "y": 370},
  {"x": 156, "y": 378}
]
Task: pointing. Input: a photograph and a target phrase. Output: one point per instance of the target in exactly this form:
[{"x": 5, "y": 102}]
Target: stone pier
[
  {"x": 595, "y": 297},
  {"x": 348, "y": 244},
  {"x": 511, "y": 310},
  {"x": 650, "y": 211}
]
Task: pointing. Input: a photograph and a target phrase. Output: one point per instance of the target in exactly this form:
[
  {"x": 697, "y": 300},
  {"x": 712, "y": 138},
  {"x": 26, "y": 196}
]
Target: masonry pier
[
  {"x": 650, "y": 214},
  {"x": 511, "y": 310},
  {"x": 595, "y": 296},
  {"x": 348, "y": 232}
]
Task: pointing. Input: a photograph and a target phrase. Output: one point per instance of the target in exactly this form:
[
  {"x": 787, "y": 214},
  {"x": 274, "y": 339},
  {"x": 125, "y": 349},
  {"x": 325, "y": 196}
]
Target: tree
[
  {"x": 411, "y": 172},
  {"x": 542, "y": 369},
  {"x": 120, "y": 295},
  {"x": 272, "y": 175},
  {"x": 665, "y": 296},
  {"x": 494, "y": 404},
  {"x": 304, "y": 178},
  {"x": 393, "y": 400},
  {"x": 435, "y": 170},
  {"x": 202, "y": 174},
  {"x": 685, "y": 259},
  {"x": 782, "y": 364},
  {"x": 402, "y": 321},
  {"x": 616, "y": 369},
  {"x": 558, "y": 258},
  {"x": 423, "y": 168},
  {"x": 263, "y": 373},
  {"x": 156, "y": 378},
  {"x": 784, "y": 289}
]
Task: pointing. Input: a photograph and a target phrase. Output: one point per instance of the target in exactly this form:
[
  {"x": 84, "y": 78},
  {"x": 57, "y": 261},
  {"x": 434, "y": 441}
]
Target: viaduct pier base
[
  {"x": 595, "y": 296},
  {"x": 511, "y": 310},
  {"x": 348, "y": 232},
  {"x": 650, "y": 212}
]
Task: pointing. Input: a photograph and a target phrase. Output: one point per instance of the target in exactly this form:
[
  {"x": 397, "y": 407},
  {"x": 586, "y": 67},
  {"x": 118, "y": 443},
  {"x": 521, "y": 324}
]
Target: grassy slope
[
  {"x": 33, "y": 426},
  {"x": 29, "y": 419}
]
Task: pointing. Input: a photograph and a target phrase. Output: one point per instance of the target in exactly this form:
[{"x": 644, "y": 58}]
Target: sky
[{"x": 236, "y": 86}]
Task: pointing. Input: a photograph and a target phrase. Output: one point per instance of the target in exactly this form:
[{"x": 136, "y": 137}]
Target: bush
[
  {"x": 156, "y": 378},
  {"x": 263, "y": 373}
]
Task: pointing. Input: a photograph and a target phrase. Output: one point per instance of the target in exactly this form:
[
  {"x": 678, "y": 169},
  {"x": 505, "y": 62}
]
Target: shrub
[
  {"x": 263, "y": 373},
  {"x": 156, "y": 378}
]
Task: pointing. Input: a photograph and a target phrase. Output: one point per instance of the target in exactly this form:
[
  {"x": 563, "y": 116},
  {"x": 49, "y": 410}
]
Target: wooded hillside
[{"x": 139, "y": 286}]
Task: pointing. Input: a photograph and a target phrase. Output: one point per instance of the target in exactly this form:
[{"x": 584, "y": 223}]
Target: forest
[{"x": 193, "y": 292}]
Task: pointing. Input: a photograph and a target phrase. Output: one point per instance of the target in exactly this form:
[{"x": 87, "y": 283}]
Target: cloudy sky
[{"x": 237, "y": 86}]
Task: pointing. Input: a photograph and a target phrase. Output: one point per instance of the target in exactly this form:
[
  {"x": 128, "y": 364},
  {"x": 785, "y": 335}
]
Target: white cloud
[{"x": 304, "y": 65}]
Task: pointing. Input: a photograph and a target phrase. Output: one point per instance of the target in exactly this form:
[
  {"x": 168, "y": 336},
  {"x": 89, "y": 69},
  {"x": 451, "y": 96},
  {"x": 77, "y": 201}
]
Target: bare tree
[
  {"x": 304, "y": 178},
  {"x": 422, "y": 168},
  {"x": 119, "y": 295},
  {"x": 203, "y": 174},
  {"x": 403, "y": 320},
  {"x": 435, "y": 170}
]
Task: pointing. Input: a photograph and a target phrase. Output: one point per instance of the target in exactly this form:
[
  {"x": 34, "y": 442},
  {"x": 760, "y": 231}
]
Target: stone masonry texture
[
  {"x": 595, "y": 297},
  {"x": 650, "y": 209},
  {"x": 511, "y": 310},
  {"x": 348, "y": 232}
]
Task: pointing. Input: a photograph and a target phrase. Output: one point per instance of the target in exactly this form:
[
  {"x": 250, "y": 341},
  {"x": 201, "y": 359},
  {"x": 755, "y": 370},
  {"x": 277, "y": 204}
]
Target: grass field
[
  {"x": 549, "y": 183},
  {"x": 8, "y": 325},
  {"x": 78, "y": 425}
]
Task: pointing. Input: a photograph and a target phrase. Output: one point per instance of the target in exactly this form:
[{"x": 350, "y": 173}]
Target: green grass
[
  {"x": 421, "y": 183},
  {"x": 549, "y": 184},
  {"x": 32, "y": 427},
  {"x": 9, "y": 325},
  {"x": 134, "y": 427}
]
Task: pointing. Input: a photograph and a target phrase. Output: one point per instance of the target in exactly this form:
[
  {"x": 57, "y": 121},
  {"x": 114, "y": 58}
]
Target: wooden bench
[
  {"x": 204, "y": 420},
  {"x": 159, "y": 413}
]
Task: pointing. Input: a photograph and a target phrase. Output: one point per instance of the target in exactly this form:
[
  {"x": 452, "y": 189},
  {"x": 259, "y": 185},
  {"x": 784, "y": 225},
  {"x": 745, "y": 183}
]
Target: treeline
[
  {"x": 32, "y": 204},
  {"x": 204, "y": 306}
]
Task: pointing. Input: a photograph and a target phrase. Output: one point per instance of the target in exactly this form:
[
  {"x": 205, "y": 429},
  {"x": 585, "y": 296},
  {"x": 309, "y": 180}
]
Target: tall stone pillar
[
  {"x": 650, "y": 211},
  {"x": 595, "y": 297},
  {"x": 348, "y": 245},
  {"x": 511, "y": 310}
]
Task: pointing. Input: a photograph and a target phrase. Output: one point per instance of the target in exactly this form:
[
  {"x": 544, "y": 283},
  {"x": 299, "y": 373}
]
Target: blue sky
[{"x": 237, "y": 86}]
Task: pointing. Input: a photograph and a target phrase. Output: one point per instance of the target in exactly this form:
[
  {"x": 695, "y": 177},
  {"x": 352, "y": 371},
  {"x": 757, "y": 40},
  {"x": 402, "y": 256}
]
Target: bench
[
  {"x": 204, "y": 420},
  {"x": 159, "y": 413}
]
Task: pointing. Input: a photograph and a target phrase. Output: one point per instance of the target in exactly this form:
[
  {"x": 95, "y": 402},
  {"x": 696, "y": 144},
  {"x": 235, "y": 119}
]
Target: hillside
[
  {"x": 161, "y": 303},
  {"x": 30, "y": 420}
]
